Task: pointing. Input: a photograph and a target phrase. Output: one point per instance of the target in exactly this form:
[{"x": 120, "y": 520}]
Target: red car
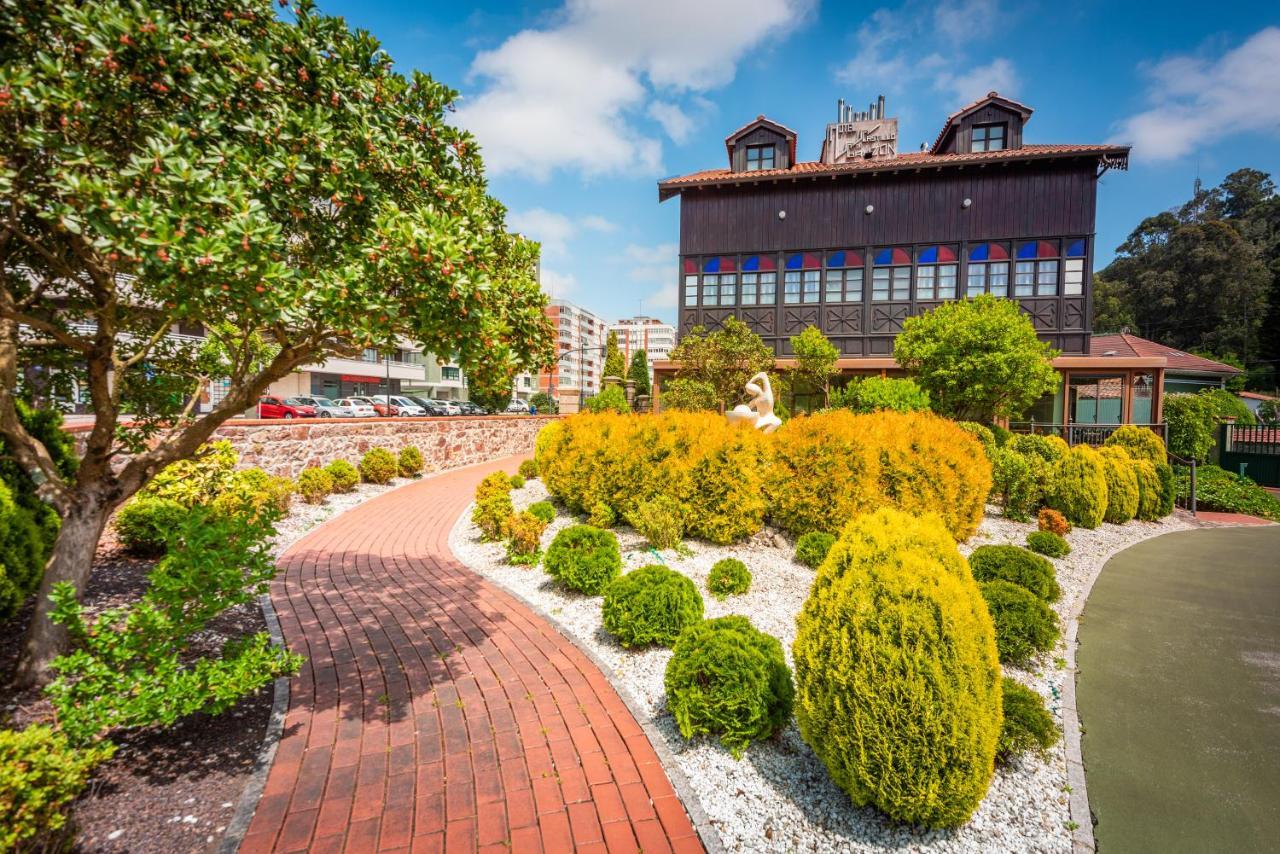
[{"x": 274, "y": 407}]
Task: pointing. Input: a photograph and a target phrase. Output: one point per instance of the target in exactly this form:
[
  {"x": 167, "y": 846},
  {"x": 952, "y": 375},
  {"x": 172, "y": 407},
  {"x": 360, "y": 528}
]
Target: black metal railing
[{"x": 1079, "y": 434}]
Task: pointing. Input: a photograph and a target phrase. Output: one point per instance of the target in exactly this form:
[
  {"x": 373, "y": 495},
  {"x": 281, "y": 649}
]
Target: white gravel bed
[{"x": 779, "y": 796}]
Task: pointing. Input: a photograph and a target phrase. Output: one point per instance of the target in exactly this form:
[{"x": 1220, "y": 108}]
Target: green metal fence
[{"x": 1251, "y": 451}]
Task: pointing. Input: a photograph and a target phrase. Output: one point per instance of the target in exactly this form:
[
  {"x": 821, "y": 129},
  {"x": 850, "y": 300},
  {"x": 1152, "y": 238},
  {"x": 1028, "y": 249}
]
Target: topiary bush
[
  {"x": 1017, "y": 565},
  {"x": 729, "y": 577},
  {"x": 812, "y": 548},
  {"x": 1027, "y": 726},
  {"x": 1025, "y": 625},
  {"x": 1122, "y": 485},
  {"x": 584, "y": 558},
  {"x": 410, "y": 461},
  {"x": 650, "y": 605},
  {"x": 22, "y": 552},
  {"x": 1078, "y": 487},
  {"x": 144, "y": 523},
  {"x": 529, "y": 469},
  {"x": 1048, "y": 544},
  {"x": 1048, "y": 448},
  {"x": 728, "y": 679},
  {"x": 517, "y": 481},
  {"x": 491, "y": 515},
  {"x": 378, "y": 465},
  {"x": 1017, "y": 482},
  {"x": 1168, "y": 488},
  {"x": 1141, "y": 443},
  {"x": 1052, "y": 521},
  {"x": 524, "y": 538},
  {"x": 345, "y": 476},
  {"x": 920, "y": 749},
  {"x": 41, "y": 774},
  {"x": 314, "y": 485},
  {"x": 496, "y": 483},
  {"x": 1150, "y": 490},
  {"x": 543, "y": 510},
  {"x": 660, "y": 520}
]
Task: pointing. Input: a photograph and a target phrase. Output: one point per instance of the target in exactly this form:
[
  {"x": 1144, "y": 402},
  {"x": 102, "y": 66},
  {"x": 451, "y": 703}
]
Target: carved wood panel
[
  {"x": 843, "y": 320},
  {"x": 888, "y": 317},
  {"x": 714, "y": 319},
  {"x": 1073, "y": 314},
  {"x": 760, "y": 320},
  {"x": 1043, "y": 313},
  {"x": 796, "y": 318}
]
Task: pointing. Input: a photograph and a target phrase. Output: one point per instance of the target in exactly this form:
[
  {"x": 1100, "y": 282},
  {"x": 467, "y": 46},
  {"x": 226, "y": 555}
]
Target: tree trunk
[{"x": 72, "y": 559}]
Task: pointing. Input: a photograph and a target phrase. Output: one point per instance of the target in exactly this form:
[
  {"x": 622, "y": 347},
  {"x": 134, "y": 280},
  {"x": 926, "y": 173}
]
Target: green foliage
[
  {"x": 543, "y": 510},
  {"x": 1226, "y": 406},
  {"x": 1025, "y": 625},
  {"x": 22, "y": 552},
  {"x": 812, "y": 548},
  {"x": 491, "y": 515},
  {"x": 650, "y": 605},
  {"x": 517, "y": 481},
  {"x": 256, "y": 493},
  {"x": 134, "y": 666},
  {"x": 1168, "y": 489},
  {"x": 660, "y": 520},
  {"x": 1078, "y": 487},
  {"x": 1227, "y": 492},
  {"x": 1141, "y": 444},
  {"x": 871, "y": 394},
  {"x": 1001, "y": 434},
  {"x": 729, "y": 577},
  {"x": 1122, "y": 485},
  {"x": 614, "y": 364},
  {"x": 639, "y": 372},
  {"x": 41, "y": 774},
  {"x": 1192, "y": 424},
  {"x": 979, "y": 359},
  {"x": 727, "y": 678},
  {"x": 584, "y": 559},
  {"x": 602, "y": 516},
  {"x": 612, "y": 399},
  {"x": 46, "y": 426},
  {"x": 921, "y": 750},
  {"x": 1027, "y": 726},
  {"x": 1151, "y": 490},
  {"x": 1269, "y": 412},
  {"x": 528, "y": 469},
  {"x": 815, "y": 361},
  {"x": 198, "y": 480},
  {"x": 1018, "y": 566},
  {"x": 982, "y": 433},
  {"x": 1018, "y": 481},
  {"x": 1048, "y": 448},
  {"x": 1048, "y": 544},
  {"x": 314, "y": 485},
  {"x": 345, "y": 476},
  {"x": 544, "y": 403},
  {"x": 723, "y": 360},
  {"x": 378, "y": 465},
  {"x": 524, "y": 537},
  {"x": 409, "y": 461},
  {"x": 495, "y": 483},
  {"x": 145, "y": 523}
]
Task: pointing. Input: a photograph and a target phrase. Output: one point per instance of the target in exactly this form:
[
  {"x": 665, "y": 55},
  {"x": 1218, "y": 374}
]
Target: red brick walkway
[{"x": 437, "y": 712}]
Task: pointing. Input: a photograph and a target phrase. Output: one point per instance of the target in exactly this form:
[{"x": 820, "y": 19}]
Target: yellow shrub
[
  {"x": 1122, "y": 485},
  {"x": 823, "y": 474},
  {"x": 1078, "y": 487},
  {"x": 1141, "y": 443},
  {"x": 1149, "y": 490}
]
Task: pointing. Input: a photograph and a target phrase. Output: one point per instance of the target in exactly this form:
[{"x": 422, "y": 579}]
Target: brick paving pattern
[{"x": 436, "y": 712}]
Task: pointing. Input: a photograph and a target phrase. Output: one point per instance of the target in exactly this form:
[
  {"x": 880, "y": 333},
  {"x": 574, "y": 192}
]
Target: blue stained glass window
[
  {"x": 979, "y": 252},
  {"x": 751, "y": 264},
  {"x": 929, "y": 256},
  {"x": 1027, "y": 250},
  {"x": 836, "y": 259},
  {"x": 795, "y": 262},
  {"x": 1075, "y": 249},
  {"x": 884, "y": 256},
  {"x": 712, "y": 266}
]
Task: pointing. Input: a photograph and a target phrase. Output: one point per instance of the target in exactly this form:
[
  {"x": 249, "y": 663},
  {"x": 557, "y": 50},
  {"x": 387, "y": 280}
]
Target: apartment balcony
[{"x": 380, "y": 368}]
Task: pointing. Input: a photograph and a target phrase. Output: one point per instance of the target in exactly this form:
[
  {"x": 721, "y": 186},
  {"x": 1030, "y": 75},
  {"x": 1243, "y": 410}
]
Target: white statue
[{"x": 758, "y": 412}]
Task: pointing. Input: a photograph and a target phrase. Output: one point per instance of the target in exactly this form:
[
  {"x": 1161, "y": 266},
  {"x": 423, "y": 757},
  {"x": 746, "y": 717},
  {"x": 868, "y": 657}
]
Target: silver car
[
  {"x": 324, "y": 407},
  {"x": 406, "y": 407},
  {"x": 356, "y": 408}
]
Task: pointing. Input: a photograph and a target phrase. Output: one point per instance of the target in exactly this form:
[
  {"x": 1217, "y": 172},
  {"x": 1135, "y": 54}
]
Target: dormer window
[
  {"x": 760, "y": 157},
  {"x": 988, "y": 138}
]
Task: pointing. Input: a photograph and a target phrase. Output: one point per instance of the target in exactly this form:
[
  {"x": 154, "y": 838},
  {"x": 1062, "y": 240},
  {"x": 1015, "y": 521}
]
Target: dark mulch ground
[{"x": 168, "y": 790}]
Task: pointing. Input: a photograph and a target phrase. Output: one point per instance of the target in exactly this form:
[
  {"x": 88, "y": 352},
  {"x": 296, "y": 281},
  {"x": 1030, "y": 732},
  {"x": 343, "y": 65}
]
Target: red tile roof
[
  {"x": 914, "y": 160},
  {"x": 1253, "y": 395},
  {"x": 1125, "y": 344}
]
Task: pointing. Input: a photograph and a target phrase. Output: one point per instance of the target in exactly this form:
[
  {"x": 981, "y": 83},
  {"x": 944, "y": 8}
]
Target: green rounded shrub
[
  {"x": 517, "y": 481},
  {"x": 144, "y": 524},
  {"x": 1168, "y": 489},
  {"x": 652, "y": 604},
  {"x": 727, "y": 678},
  {"x": 41, "y": 774},
  {"x": 1025, "y": 625},
  {"x": 410, "y": 461},
  {"x": 1122, "y": 485},
  {"x": 982, "y": 433},
  {"x": 602, "y": 516},
  {"x": 314, "y": 484},
  {"x": 584, "y": 558},
  {"x": 1017, "y": 480},
  {"x": 529, "y": 469},
  {"x": 729, "y": 577},
  {"x": 22, "y": 552},
  {"x": 378, "y": 465},
  {"x": 1017, "y": 565},
  {"x": 491, "y": 515},
  {"x": 543, "y": 510},
  {"x": 900, "y": 699},
  {"x": 1048, "y": 448},
  {"x": 1001, "y": 434},
  {"x": 1078, "y": 487},
  {"x": 1027, "y": 726},
  {"x": 1048, "y": 544},
  {"x": 345, "y": 476},
  {"x": 812, "y": 548},
  {"x": 660, "y": 520},
  {"x": 1141, "y": 444}
]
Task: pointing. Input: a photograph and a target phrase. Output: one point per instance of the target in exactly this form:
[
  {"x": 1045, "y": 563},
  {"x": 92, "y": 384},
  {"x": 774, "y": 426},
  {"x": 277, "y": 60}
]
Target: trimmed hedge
[
  {"x": 1048, "y": 448},
  {"x": 345, "y": 476},
  {"x": 1017, "y": 565},
  {"x": 378, "y": 465},
  {"x": 1122, "y": 485},
  {"x": 1025, "y": 625},
  {"x": 1048, "y": 544},
  {"x": 1018, "y": 482},
  {"x": 726, "y": 678},
  {"x": 1141, "y": 444},
  {"x": 584, "y": 558},
  {"x": 1150, "y": 491},
  {"x": 1168, "y": 488},
  {"x": 1078, "y": 487},
  {"x": 1027, "y": 726},
  {"x": 143, "y": 525},
  {"x": 921, "y": 749},
  {"x": 729, "y": 577},
  {"x": 650, "y": 605},
  {"x": 982, "y": 433},
  {"x": 602, "y": 516},
  {"x": 812, "y": 548}
]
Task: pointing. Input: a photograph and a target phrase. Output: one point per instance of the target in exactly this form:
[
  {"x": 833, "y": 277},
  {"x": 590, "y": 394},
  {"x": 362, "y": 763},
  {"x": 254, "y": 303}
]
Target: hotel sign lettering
[{"x": 864, "y": 140}]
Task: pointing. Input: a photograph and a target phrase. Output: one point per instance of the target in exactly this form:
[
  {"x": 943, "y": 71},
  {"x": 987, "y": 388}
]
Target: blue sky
[{"x": 582, "y": 106}]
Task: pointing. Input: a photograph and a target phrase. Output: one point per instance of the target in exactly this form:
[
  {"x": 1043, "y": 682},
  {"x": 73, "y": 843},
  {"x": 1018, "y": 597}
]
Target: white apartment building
[
  {"x": 656, "y": 337},
  {"x": 580, "y": 341}
]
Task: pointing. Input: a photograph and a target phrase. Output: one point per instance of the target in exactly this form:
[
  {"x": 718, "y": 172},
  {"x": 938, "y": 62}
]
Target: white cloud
[
  {"x": 598, "y": 223},
  {"x": 996, "y": 76},
  {"x": 567, "y": 96},
  {"x": 557, "y": 284},
  {"x": 667, "y": 296},
  {"x": 555, "y": 230},
  {"x": 674, "y": 120},
  {"x": 1197, "y": 100},
  {"x": 655, "y": 268},
  {"x": 662, "y": 253}
]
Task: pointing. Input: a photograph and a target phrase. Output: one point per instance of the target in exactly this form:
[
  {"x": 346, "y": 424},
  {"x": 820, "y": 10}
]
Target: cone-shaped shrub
[
  {"x": 1141, "y": 443},
  {"x": 314, "y": 484},
  {"x": 1122, "y": 485},
  {"x": 652, "y": 604},
  {"x": 897, "y": 676},
  {"x": 1017, "y": 565},
  {"x": 1025, "y": 625},
  {"x": 1078, "y": 487},
  {"x": 491, "y": 515},
  {"x": 495, "y": 483},
  {"x": 543, "y": 510},
  {"x": 584, "y": 558},
  {"x": 410, "y": 461},
  {"x": 726, "y": 678}
]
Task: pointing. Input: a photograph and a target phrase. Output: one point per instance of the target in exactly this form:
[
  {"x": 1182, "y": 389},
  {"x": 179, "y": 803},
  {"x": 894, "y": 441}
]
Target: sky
[{"x": 581, "y": 107}]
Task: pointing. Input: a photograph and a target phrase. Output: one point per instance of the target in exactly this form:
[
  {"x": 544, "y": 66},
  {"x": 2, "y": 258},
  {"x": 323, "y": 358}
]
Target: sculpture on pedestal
[{"x": 758, "y": 412}]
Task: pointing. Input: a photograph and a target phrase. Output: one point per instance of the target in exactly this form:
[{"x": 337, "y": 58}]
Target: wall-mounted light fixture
[
  {"x": 966, "y": 203},
  {"x": 782, "y": 214},
  {"x": 870, "y": 209}
]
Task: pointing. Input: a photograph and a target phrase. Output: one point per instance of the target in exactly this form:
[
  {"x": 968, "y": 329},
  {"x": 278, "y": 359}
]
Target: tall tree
[
  {"x": 614, "y": 364},
  {"x": 639, "y": 371},
  {"x": 721, "y": 362},
  {"x": 208, "y": 162}
]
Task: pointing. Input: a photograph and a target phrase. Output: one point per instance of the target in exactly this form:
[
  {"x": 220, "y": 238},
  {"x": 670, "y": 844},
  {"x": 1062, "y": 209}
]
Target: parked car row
[{"x": 407, "y": 406}]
